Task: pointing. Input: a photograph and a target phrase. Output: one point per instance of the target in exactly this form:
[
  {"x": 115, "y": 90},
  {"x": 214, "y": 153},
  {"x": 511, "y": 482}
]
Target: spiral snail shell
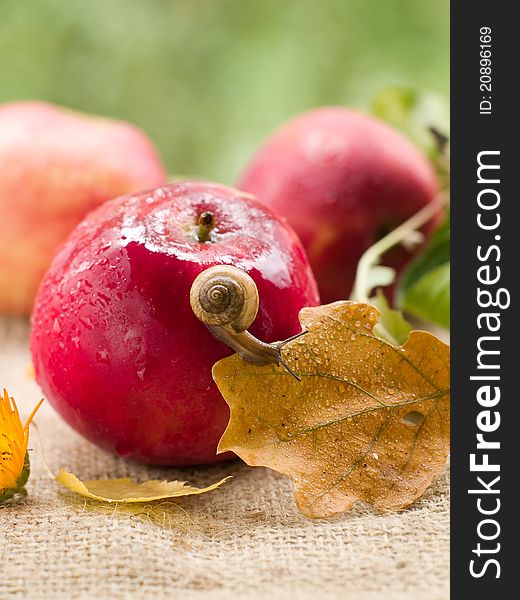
[{"x": 225, "y": 296}]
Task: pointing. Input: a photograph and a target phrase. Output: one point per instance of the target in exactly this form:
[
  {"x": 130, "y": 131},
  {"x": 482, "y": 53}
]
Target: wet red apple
[
  {"x": 116, "y": 347},
  {"x": 55, "y": 166},
  {"x": 342, "y": 179}
]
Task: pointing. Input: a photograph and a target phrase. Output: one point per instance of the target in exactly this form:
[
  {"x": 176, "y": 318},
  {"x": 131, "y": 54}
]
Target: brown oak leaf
[{"x": 367, "y": 421}]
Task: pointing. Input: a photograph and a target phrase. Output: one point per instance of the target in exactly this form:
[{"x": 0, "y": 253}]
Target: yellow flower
[{"x": 14, "y": 437}]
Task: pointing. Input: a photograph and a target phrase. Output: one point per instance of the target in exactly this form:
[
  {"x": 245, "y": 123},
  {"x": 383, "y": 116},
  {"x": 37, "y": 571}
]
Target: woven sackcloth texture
[{"x": 245, "y": 540}]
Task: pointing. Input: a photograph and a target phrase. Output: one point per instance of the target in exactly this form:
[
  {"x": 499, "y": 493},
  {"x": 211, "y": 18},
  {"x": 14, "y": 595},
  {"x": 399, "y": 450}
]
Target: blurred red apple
[
  {"x": 55, "y": 166},
  {"x": 342, "y": 179},
  {"x": 116, "y": 347}
]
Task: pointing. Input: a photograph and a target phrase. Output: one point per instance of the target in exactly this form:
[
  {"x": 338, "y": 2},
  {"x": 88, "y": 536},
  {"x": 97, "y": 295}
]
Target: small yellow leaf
[
  {"x": 125, "y": 490},
  {"x": 368, "y": 421}
]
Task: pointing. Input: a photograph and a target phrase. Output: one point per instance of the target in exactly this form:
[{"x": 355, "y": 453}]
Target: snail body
[{"x": 226, "y": 300}]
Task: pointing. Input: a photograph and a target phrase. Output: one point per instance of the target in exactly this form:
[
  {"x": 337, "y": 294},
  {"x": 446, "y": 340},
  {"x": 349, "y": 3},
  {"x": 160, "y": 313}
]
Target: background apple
[
  {"x": 55, "y": 166},
  {"x": 342, "y": 179},
  {"x": 116, "y": 347}
]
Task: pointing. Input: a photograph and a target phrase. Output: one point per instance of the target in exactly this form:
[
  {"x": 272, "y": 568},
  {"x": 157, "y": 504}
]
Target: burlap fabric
[{"x": 245, "y": 540}]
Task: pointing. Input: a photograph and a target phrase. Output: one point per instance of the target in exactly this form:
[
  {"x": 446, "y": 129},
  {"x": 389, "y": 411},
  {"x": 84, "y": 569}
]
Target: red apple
[
  {"x": 55, "y": 166},
  {"x": 116, "y": 347},
  {"x": 342, "y": 179}
]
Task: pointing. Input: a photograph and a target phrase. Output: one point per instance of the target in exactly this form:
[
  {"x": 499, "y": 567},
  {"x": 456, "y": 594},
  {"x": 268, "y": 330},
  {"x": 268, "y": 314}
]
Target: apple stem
[{"x": 205, "y": 224}]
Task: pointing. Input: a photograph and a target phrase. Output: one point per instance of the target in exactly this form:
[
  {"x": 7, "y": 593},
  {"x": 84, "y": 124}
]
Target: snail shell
[{"x": 225, "y": 296}]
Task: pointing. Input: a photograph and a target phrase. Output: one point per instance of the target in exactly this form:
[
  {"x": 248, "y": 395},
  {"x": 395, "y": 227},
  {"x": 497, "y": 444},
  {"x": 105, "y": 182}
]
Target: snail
[{"x": 226, "y": 300}]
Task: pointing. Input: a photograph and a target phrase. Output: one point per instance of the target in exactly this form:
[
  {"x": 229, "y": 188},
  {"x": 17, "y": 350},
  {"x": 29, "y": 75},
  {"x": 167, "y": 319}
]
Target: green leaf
[
  {"x": 392, "y": 325},
  {"x": 415, "y": 113},
  {"x": 19, "y": 490},
  {"x": 379, "y": 275},
  {"x": 429, "y": 296},
  {"x": 424, "y": 287},
  {"x": 436, "y": 253}
]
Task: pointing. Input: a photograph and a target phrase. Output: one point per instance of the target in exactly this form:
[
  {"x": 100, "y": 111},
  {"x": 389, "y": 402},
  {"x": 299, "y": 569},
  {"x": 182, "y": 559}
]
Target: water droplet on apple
[
  {"x": 85, "y": 321},
  {"x": 102, "y": 356}
]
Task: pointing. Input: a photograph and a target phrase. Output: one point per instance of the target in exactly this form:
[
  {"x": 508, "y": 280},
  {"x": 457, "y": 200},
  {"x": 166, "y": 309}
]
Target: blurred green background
[{"x": 209, "y": 79}]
